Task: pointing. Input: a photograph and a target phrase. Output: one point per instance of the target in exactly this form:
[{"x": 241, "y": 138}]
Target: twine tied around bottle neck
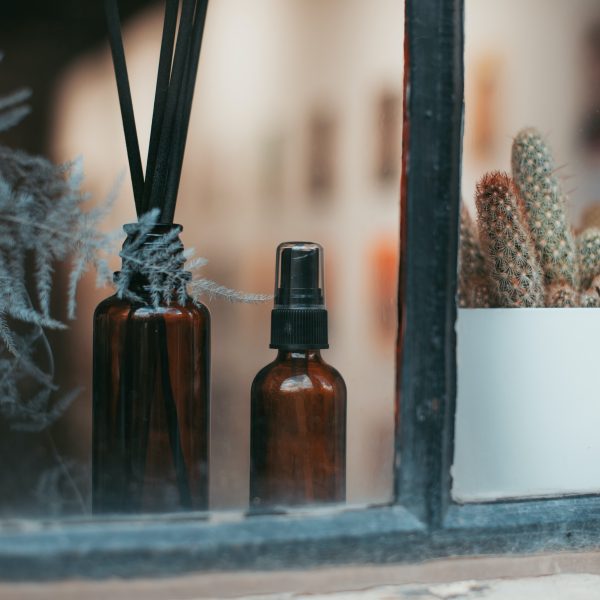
[{"x": 153, "y": 260}]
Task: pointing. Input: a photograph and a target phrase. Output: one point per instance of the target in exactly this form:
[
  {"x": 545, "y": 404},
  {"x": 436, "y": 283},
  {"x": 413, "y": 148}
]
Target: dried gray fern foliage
[
  {"x": 167, "y": 271},
  {"x": 42, "y": 223}
]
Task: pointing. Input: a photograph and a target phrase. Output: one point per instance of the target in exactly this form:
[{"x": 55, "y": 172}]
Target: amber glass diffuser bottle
[
  {"x": 298, "y": 415},
  {"x": 151, "y": 341},
  {"x": 151, "y": 402}
]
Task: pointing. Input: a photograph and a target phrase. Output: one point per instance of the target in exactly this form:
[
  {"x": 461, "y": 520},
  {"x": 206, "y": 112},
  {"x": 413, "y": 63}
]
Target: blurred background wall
[
  {"x": 295, "y": 134},
  {"x": 534, "y": 63}
]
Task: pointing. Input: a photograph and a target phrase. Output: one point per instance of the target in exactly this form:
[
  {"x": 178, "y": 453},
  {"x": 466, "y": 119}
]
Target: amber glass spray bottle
[{"x": 298, "y": 420}]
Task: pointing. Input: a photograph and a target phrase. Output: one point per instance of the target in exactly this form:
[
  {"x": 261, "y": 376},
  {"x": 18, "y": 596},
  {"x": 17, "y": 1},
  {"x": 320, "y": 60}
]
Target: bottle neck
[
  {"x": 152, "y": 265},
  {"x": 290, "y": 355},
  {"x": 140, "y": 285}
]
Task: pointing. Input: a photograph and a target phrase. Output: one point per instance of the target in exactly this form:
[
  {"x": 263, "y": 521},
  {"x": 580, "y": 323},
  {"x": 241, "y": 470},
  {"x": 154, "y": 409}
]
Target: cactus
[
  {"x": 512, "y": 264},
  {"x": 481, "y": 294},
  {"x": 539, "y": 190},
  {"x": 561, "y": 295},
  {"x": 474, "y": 289},
  {"x": 591, "y": 297},
  {"x": 588, "y": 249}
]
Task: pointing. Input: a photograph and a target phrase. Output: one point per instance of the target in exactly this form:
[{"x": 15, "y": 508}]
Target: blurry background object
[
  {"x": 322, "y": 155},
  {"x": 384, "y": 281},
  {"x": 487, "y": 79},
  {"x": 589, "y": 133},
  {"x": 39, "y": 41},
  {"x": 388, "y": 119},
  {"x": 269, "y": 69}
]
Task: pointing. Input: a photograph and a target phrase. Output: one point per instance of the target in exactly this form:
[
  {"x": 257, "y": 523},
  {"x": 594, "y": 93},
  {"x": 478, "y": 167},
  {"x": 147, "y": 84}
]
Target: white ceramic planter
[{"x": 528, "y": 403}]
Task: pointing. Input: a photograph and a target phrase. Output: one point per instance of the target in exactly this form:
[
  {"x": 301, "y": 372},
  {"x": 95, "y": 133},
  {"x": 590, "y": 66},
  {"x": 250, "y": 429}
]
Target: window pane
[
  {"x": 526, "y": 406},
  {"x": 295, "y": 135}
]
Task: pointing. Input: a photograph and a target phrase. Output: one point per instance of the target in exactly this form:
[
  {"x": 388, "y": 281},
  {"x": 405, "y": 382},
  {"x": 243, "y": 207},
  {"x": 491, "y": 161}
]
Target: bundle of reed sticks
[
  {"x": 157, "y": 189},
  {"x": 181, "y": 43}
]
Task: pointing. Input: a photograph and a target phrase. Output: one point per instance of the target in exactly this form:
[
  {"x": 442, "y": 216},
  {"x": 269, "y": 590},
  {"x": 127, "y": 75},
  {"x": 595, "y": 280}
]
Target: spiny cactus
[
  {"x": 591, "y": 297},
  {"x": 528, "y": 254},
  {"x": 588, "y": 249},
  {"x": 482, "y": 294},
  {"x": 512, "y": 264},
  {"x": 539, "y": 189},
  {"x": 474, "y": 289},
  {"x": 562, "y": 295}
]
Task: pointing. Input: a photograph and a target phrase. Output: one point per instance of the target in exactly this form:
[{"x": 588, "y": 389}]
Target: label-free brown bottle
[
  {"x": 298, "y": 415},
  {"x": 151, "y": 401}
]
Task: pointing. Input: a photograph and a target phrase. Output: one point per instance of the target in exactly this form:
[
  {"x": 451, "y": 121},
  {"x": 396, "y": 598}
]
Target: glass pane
[
  {"x": 295, "y": 135},
  {"x": 526, "y": 408}
]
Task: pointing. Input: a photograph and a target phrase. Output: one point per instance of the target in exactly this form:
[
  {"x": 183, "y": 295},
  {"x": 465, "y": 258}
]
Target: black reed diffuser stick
[
  {"x": 173, "y": 118},
  {"x": 173, "y": 99},
  {"x": 186, "y": 100},
  {"x": 183, "y": 485},
  {"x": 160, "y": 97},
  {"x": 125, "y": 101}
]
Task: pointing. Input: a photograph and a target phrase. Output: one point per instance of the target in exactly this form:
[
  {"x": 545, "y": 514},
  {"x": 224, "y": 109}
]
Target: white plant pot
[{"x": 528, "y": 403}]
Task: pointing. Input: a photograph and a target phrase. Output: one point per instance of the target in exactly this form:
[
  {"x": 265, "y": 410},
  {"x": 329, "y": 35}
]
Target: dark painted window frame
[{"x": 422, "y": 522}]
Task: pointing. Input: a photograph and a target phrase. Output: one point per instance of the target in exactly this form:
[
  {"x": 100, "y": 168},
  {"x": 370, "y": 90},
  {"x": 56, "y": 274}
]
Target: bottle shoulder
[
  {"x": 111, "y": 304},
  {"x": 337, "y": 377},
  {"x": 299, "y": 376},
  {"x": 114, "y": 306}
]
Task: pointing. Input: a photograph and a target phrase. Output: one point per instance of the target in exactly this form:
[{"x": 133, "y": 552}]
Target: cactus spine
[
  {"x": 539, "y": 190},
  {"x": 512, "y": 264}
]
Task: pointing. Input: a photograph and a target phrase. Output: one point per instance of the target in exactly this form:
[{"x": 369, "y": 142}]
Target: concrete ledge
[{"x": 562, "y": 575}]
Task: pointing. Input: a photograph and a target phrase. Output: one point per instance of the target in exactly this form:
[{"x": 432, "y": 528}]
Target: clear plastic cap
[{"x": 299, "y": 278}]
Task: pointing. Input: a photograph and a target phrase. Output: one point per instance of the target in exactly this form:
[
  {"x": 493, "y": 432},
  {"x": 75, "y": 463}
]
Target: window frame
[{"x": 422, "y": 521}]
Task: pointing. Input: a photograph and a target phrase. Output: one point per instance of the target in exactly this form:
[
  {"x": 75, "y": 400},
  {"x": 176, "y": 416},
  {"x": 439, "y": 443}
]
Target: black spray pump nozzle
[
  {"x": 300, "y": 278},
  {"x": 299, "y": 318}
]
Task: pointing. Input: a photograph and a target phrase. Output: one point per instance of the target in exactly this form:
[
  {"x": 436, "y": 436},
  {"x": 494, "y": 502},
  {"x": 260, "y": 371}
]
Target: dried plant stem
[{"x": 67, "y": 473}]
